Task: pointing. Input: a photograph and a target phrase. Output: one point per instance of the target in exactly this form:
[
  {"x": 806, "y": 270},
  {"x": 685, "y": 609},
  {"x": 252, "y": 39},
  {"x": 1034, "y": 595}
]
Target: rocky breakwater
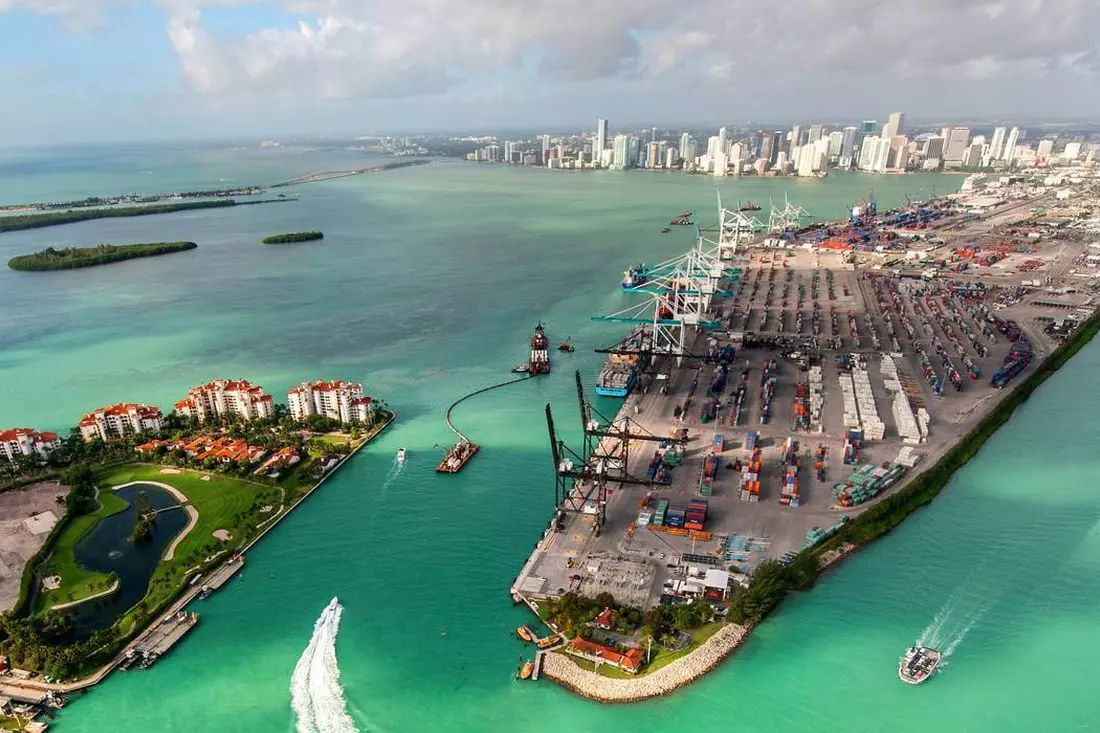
[{"x": 561, "y": 669}]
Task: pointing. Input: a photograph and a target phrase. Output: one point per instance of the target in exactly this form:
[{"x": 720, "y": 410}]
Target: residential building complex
[
  {"x": 222, "y": 397},
  {"x": 337, "y": 400},
  {"x": 18, "y": 442},
  {"x": 117, "y": 421}
]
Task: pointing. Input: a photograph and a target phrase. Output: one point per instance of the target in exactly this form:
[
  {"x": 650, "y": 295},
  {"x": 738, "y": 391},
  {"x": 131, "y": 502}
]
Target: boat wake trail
[
  {"x": 951, "y": 624},
  {"x": 315, "y": 692}
]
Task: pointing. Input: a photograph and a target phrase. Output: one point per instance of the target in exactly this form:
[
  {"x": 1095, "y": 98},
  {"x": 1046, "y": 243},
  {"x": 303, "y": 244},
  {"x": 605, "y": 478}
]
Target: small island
[
  {"x": 291, "y": 237},
  {"x": 55, "y": 218},
  {"x": 71, "y": 258}
]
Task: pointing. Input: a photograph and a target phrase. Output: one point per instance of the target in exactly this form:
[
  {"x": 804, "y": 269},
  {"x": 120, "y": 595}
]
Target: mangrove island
[
  {"x": 291, "y": 237},
  {"x": 71, "y": 258}
]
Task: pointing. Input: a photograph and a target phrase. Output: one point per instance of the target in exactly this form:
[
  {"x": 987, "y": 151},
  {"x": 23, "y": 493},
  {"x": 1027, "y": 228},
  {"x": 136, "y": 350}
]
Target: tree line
[
  {"x": 293, "y": 237},
  {"x": 71, "y": 258},
  {"x": 54, "y": 218}
]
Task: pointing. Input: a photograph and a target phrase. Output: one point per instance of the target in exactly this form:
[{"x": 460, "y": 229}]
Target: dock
[{"x": 163, "y": 637}]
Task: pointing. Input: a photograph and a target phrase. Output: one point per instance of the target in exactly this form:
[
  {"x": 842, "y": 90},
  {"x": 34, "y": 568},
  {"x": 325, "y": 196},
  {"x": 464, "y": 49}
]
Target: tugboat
[
  {"x": 540, "y": 354},
  {"x": 520, "y": 368},
  {"x": 918, "y": 664},
  {"x": 566, "y": 347}
]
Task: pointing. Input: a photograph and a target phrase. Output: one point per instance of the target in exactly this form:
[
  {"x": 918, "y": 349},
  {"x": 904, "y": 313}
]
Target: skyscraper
[
  {"x": 836, "y": 142},
  {"x": 997, "y": 144},
  {"x": 545, "y": 149},
  {"x": 633, "y": 151},
  {"x": 601, "y": 140},
  {"x": 933, "y": 148},
  {"x": 1044, "y": 148},
  {"x": 848, "y": 144},
  {"x": 868, "y": 127},
  {"x": 796, "y": 141},
  {"x": 777, "y": 147},
  {"x": 893, "y": 125},
  {"x": 1010, "y": 145},
  {"x": 620, "y": 152},
  {"x": 955, "y": 147},
  {"x": 722, "y": 142},
  {"x": 685, "y": 140},
  {"x": 815, "y": 134}
]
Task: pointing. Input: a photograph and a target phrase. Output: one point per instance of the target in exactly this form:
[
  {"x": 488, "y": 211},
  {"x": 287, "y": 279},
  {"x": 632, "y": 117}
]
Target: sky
[{"x": 87, "y": 70}]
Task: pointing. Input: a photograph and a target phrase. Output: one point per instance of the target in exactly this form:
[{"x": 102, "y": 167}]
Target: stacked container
[
  {"x": 750, "y": 440},
  {"x": 695, "y": 517},
  {"x": 675, "y": 518},
  {"x": 750, "y": 477},
  {"x": 800, "y": 410},
  {"x": 852, "y": 442},
  {"x": 706, "y": 478},
  {"x": 817, "y": 398},
  {"x": 768, "y": 382},
  {"x": 709, "y": 410},
  {"x": 660, "y": 514}
]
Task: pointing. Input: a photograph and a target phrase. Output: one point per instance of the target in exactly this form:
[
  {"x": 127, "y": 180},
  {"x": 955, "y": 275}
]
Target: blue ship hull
[{"x": 611, "y": 392}]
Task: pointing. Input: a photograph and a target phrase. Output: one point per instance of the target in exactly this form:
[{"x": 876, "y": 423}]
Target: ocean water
[{"x": 426, "y": 286}]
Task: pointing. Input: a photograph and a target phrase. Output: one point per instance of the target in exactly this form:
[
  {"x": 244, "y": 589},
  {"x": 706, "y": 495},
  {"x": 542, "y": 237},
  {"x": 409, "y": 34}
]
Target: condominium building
[
  {"x": 19, "y": 442},
  {"x": 117, "y": 421},
  {"x": 337, "y": 400},
  {"x": 223, "y": 397}
]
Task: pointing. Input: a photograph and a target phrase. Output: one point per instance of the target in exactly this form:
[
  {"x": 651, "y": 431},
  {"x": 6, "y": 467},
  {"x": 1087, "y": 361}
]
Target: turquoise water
[{"x": 426, "y": 286}]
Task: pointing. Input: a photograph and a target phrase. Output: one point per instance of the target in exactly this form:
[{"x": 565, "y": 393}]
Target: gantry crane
[{"x": 582, "y": 479}]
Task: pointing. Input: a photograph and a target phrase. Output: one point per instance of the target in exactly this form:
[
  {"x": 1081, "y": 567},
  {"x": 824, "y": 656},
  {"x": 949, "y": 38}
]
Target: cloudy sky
[{"x": 110, "y": 69}]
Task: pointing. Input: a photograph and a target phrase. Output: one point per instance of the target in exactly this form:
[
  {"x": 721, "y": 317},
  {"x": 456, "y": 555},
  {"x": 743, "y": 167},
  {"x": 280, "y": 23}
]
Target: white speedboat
[{"x": 400, "y": 455}]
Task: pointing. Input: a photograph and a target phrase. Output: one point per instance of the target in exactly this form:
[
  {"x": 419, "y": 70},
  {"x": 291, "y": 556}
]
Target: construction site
[{"x": 782, "y": 376}]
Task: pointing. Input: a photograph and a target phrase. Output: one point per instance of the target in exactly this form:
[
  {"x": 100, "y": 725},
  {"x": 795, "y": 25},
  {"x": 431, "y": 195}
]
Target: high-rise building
[
  {"x": 621, "y": 151},
  {"x": 796, "y": 141},
  {"x": 848, "y": 144},
  {"x": 685, "y": 140},
  {"x": 671, "y": 158},
  {"x": 1010, "y": 145},
  {"x": 899, "y": 152},
  {"x": 814, "y": 134},
  {"x": 601, "y": 140},
  {"x": 867, "y": 152},
  {"x": 755, "y": 150},
  {"x": 765, "y": 151},
  {"x": 222, "y": 397},
  {"x": 777, "y": 148},
  {"x": 653, "y": 155},
  {"x": 633, "y": 151},
  {"x": 933, "y": 148},
  {"x": 722, "y": 141},
  {"x": 1044, "y": 148},
  {"x": 868, "y": 127},
  {"x": 545, "y": 149},
  {"x": 721, "y": 163},
  {"x": 882, "y": 156},
  {"x": 653, "y": 135},
  {"x": 894, "y": 124},
  {"x": 972, "y": 158},
  {"x": 836, "y": 142},
  {"x": 687, "y": 151},
  {"x": 336, "y": 400},
  {"x": 955, "y": 147},
  {"x": 997, "y": 144},
  {"x": 1072, "y": 151}
]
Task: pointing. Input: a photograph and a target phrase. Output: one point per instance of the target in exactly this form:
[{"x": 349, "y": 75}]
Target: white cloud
[{"x": 393, "y": 48}]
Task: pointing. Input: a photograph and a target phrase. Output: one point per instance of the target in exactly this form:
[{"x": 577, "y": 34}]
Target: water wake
[
  {"x": 951, "y": 624},
  {"x": 315, "y": 692}
]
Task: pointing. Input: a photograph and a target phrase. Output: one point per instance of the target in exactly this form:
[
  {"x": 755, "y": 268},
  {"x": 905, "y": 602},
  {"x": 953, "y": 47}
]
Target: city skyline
[{"x": 187, "y": 69}]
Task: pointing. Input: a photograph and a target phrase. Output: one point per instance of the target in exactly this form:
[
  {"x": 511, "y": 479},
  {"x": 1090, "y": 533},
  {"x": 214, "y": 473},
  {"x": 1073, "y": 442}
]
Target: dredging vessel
[
  {"x": 457, "y": 457},
  {"x": 540, "y": 352},
  {"x": 918, "y": 664}
]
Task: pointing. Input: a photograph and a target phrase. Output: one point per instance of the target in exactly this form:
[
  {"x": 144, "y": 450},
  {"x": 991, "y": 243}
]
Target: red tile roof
[
  {"x": 631, "y": 660},
  {"x": 16, "y": 433}
]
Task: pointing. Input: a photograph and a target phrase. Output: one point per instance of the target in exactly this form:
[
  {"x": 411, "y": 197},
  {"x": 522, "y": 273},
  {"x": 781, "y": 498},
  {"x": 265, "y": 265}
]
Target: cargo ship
[
  {"x": 457, "y": 457},
  {"x": 619, "y": 374},
  {"x": 750, "y": 206},
  {"x": 634, "y": 277},
  {"x": 918, "y": 664},
  {"x": 540, "y": 352}
]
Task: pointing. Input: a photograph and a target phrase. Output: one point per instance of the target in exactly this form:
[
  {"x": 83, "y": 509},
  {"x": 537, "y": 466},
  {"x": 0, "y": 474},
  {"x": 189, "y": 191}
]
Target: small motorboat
[
  {"x": 401, "y": 455},
  {"x": 665, "y": 230},
  {"x": 566, "y": 347},
  {"x": 526, "y": 670},
  {"x": 520, "y": 368}
]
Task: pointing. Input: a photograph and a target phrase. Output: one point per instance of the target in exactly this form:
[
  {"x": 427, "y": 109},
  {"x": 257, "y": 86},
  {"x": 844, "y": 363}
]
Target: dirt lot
[{"x": 20, "y": 536}]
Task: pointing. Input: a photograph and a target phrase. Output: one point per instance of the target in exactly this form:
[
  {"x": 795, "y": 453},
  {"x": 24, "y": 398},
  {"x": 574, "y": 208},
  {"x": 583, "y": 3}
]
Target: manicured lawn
[
  {"x": 76, "y": 581},
  {"x": 222, "y": 503}
]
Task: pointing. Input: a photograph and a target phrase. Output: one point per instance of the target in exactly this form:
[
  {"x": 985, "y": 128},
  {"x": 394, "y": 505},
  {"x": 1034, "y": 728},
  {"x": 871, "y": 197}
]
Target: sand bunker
[{"x": 221, "y": 534}]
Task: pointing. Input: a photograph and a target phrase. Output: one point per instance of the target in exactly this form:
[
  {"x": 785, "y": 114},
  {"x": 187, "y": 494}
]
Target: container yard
[{"x": 837, "y": 364}]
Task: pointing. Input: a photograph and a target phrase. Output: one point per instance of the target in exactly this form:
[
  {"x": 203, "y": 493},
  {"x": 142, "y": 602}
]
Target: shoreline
[
  {"x": 830, "y": 554},
  {"x": 17, "y": 688}
]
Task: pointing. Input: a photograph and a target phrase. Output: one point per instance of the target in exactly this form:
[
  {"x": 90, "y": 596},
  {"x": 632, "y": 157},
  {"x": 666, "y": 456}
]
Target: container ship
[
  {"x": 619, "y": 374},
  {"x": 634, "y": 277},
  {"x": 540, "y": 352},
  {"x": 918, "y": 664}
]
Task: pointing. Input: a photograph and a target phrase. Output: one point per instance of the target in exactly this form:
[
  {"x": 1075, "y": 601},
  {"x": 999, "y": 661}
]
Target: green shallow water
[{"x": 426, "y": 286}]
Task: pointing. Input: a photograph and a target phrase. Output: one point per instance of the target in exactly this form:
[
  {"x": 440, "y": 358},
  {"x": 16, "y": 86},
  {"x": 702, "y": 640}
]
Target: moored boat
[
  {"x": 918, "y": 664},
  {"x": 526, "y": 670},
  {"x": 634, "y": 277},
  {"x": 526, "y": 633}
]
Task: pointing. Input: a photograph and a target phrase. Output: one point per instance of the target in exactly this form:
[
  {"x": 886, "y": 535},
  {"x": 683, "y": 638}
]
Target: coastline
[
  {"x": 18, "y": 689},
  {"x": 918, "y": 489}
]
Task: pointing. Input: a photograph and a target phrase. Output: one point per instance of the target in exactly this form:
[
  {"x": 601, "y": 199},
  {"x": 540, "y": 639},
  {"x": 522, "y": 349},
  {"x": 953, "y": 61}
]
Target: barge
[
  {"x": 457, "y": 457},
  {"x": 540, "y": 352}
]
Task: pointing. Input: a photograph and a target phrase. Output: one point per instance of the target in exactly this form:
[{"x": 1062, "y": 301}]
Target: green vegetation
[
  {"x": 293, "y": 237},
  {"x": 144, "y": 521},
  {"x": 54, "y": 218},
  {"x": 102, "y": 254}
]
